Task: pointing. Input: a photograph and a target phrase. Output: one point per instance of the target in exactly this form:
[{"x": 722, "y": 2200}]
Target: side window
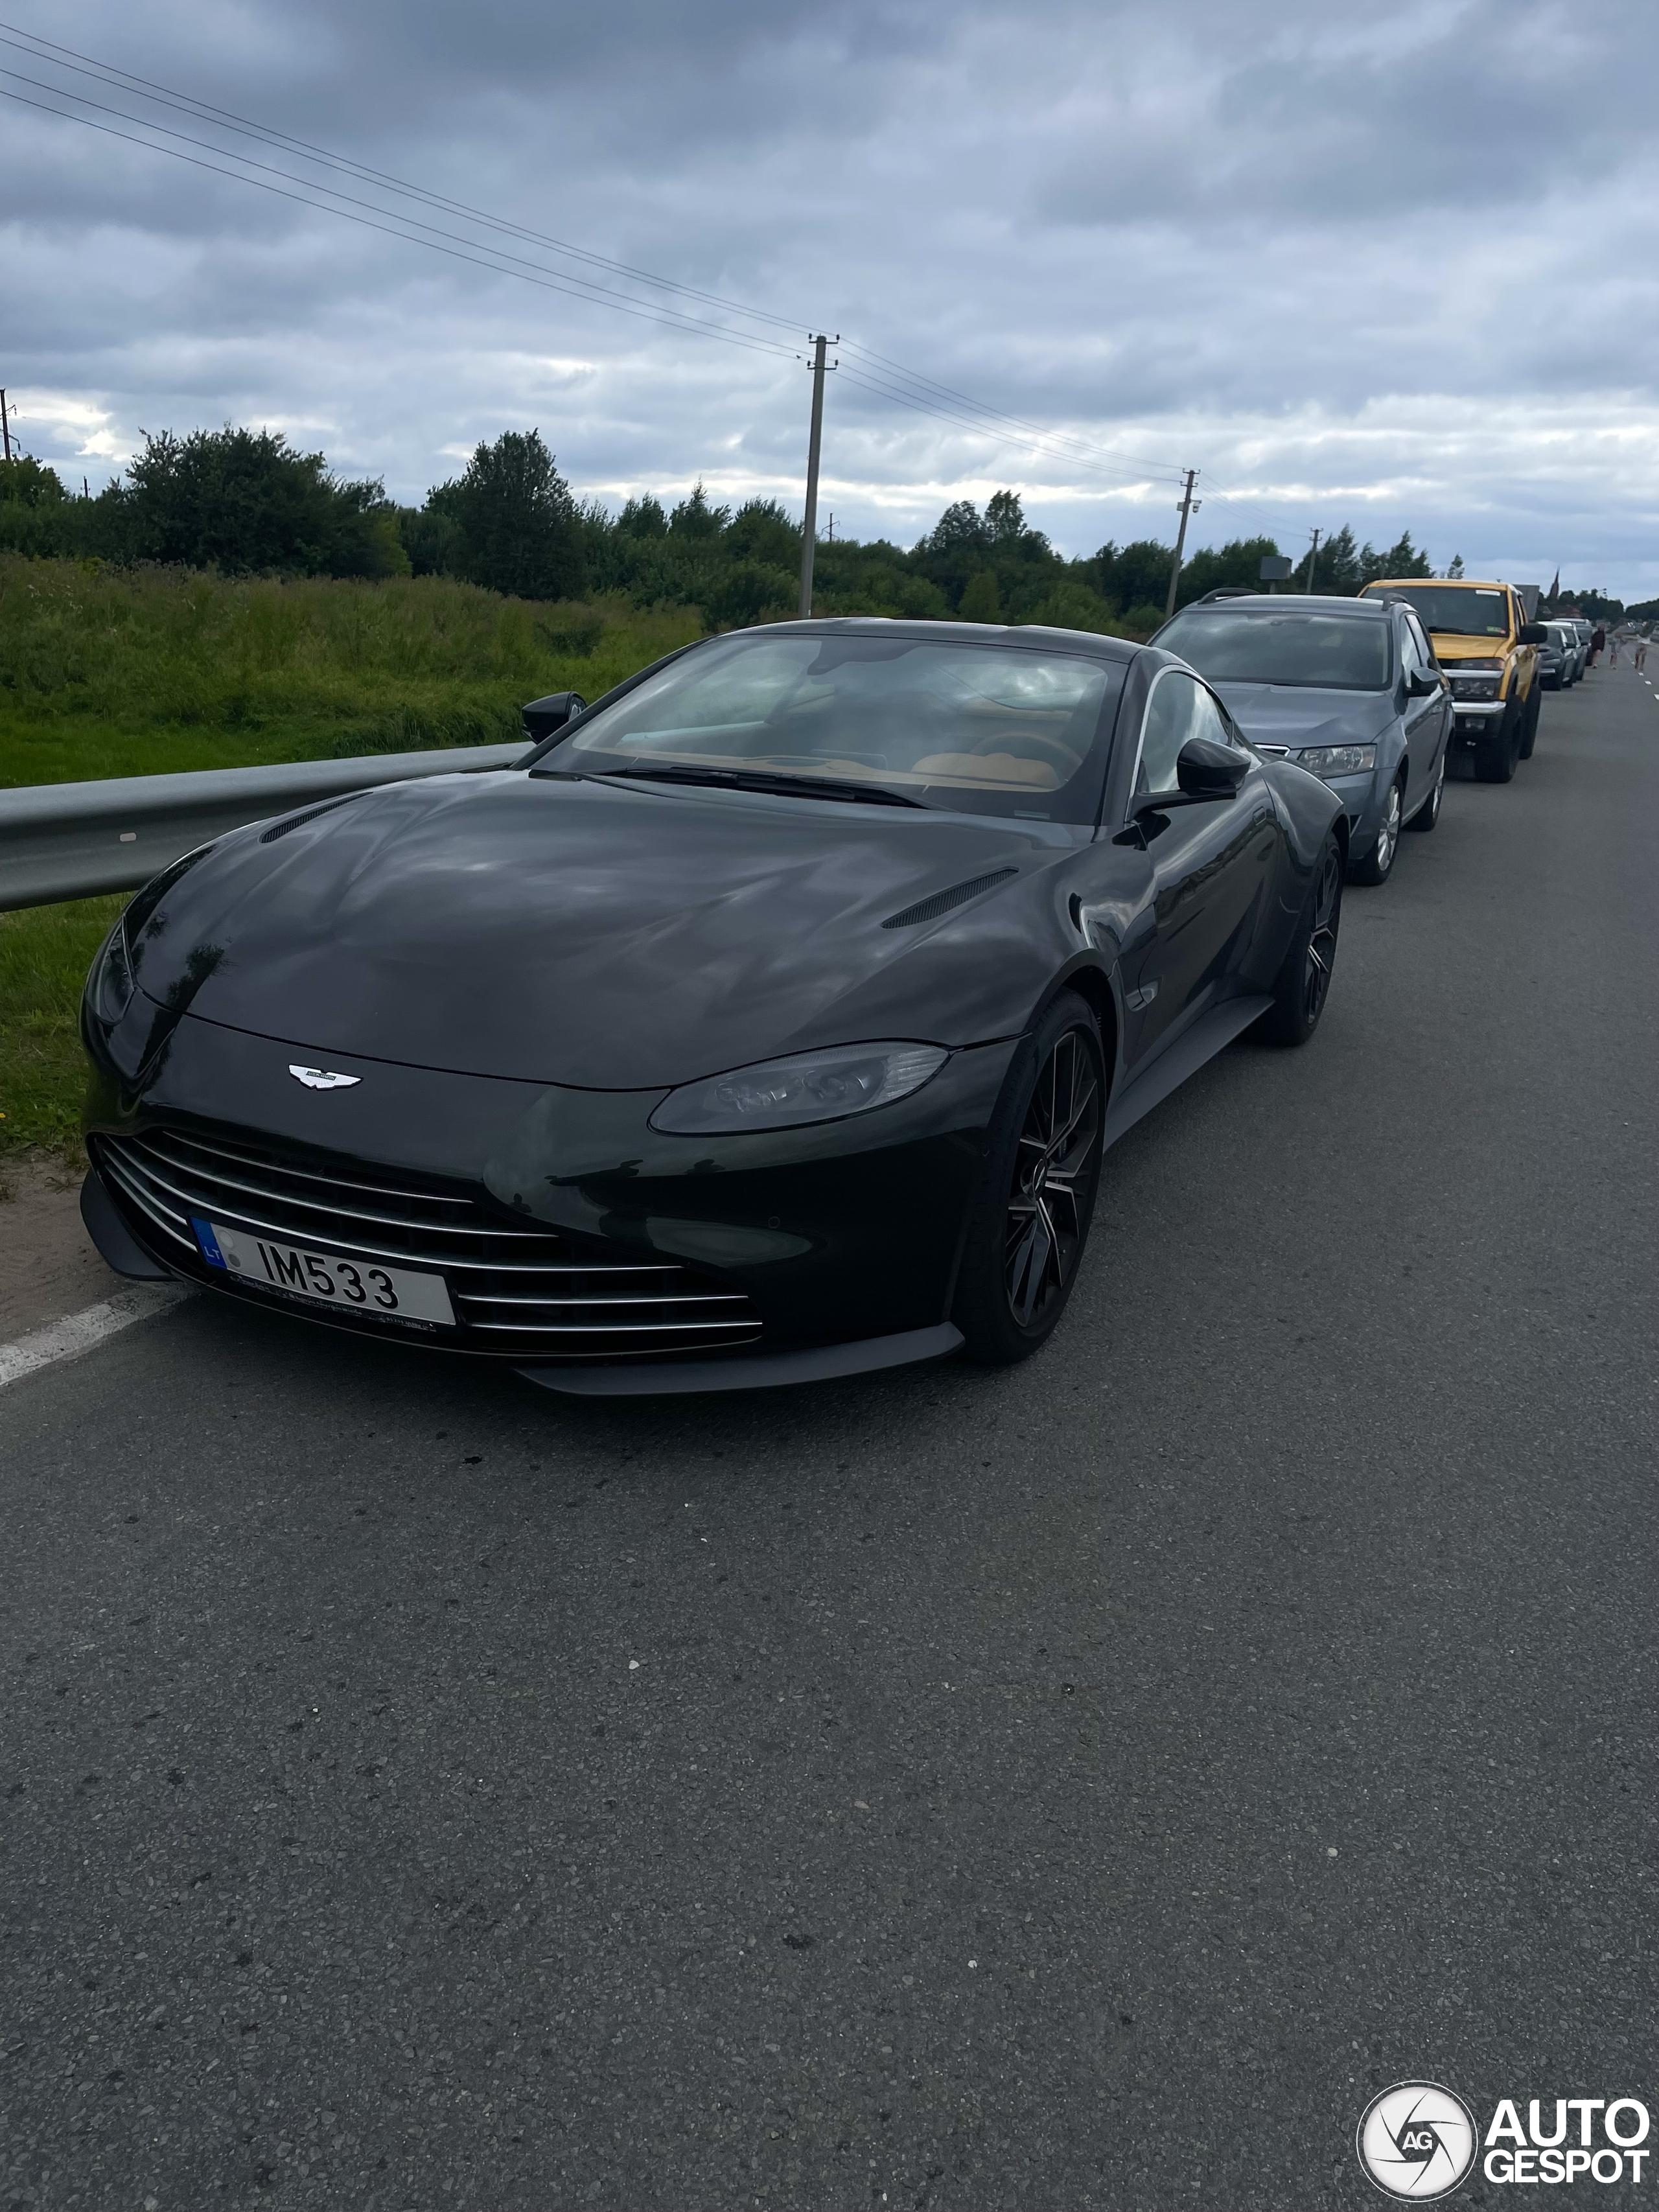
[
  {"x": 1180, "y": 708},
  {"x": 1425, "y": 650}
]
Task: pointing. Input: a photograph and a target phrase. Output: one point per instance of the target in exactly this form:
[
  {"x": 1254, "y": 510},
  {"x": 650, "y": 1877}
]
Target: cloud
[{"x": 1390, "y": 268}]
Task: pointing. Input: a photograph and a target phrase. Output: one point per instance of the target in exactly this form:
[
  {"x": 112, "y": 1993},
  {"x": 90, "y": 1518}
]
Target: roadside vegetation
[
  {"x": 133, "y": 670},
  {"x": 45, "y": 953}
]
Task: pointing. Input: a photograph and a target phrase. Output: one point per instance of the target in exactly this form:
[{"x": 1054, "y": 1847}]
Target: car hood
[
  {"x": 1294, "y": 715},
  {"x": 584, "y": 933}
]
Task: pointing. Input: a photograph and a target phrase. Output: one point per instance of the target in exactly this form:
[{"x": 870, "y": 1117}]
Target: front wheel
[
  {"x": 1429, "y": 813},
  {"x": 1378, "y": 864},
  {"x": 1529, "y": 723},
  {"x": 1304, "y": 980},
  {"x": 1499, "y": 750},
  {"x": 1036, "y": 1198}
]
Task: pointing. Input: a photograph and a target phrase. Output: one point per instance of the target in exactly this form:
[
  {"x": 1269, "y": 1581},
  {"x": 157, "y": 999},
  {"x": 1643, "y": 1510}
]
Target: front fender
[{"x": 1308, "y": 810}]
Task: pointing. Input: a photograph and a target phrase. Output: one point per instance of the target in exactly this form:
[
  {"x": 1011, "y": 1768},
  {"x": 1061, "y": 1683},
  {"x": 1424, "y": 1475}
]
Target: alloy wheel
[
  {"x": 1321, "y": 938},
  {"x": 1055, "y": 1168},
  {"x": 1388, "y": 835}
]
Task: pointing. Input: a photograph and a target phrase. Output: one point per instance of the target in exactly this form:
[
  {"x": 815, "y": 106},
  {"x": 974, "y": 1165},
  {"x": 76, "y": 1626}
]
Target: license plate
[{"x": 355, "y": 1285}]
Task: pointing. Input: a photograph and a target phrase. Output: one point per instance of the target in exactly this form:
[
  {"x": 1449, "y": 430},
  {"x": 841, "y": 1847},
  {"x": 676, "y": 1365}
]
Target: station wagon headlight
[
  {"x": 1338, "y": 760},
  {"x": 808, "y": 1086}
]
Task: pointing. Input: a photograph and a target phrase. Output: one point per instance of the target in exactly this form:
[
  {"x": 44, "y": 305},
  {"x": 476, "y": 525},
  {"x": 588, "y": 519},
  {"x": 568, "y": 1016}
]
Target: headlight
[
  {"x": 110, "y": 985},
  {"x": 1338, "y": 760},
  {"x": 808, "y": 1086},
  {"x": 1475, "y": 687}
]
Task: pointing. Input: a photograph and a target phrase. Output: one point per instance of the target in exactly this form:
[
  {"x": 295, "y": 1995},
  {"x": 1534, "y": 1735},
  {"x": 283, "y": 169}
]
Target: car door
[
  {"x": 1212, "y": 864},
  {"x": 1428, "y": 719}
]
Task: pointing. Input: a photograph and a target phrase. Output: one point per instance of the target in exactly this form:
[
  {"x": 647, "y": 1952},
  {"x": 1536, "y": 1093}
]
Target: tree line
[{"x": 247, "y": 503}]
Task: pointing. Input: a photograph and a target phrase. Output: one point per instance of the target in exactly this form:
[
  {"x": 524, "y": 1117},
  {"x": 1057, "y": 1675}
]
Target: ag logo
[{"x": 1417, "y": 2141}]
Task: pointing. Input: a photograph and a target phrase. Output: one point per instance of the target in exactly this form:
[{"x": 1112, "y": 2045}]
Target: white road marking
[{"x": 78, "y": 1333}]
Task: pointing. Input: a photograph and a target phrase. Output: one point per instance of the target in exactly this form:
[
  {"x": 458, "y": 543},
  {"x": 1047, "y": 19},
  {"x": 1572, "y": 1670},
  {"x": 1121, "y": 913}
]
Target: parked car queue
[{"x": 1374, "y": 695}]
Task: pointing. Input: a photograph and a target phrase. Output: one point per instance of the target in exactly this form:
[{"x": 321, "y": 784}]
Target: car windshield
[
  {"x": 1458, "y": 610},
  {"x": 989, "y": 729},
  {"x": 1329, "y": 652}
]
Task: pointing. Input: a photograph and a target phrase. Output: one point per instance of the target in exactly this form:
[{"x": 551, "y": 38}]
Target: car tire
[
  {"x": 1529, "y": 723},
  {"x": 1029, "y": 1218},
  {"x": 1304, "y": 981},
  {"x": 1378, "y": 864},
  {"x": 1428, "y": 814},
  {"x": 1498, "y": 752}
]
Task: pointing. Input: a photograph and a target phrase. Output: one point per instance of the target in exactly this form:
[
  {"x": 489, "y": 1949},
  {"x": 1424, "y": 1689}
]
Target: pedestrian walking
[
  {"x": 1598, "y": 639},
  {"x": 1612, "y": 657},
  {"x": 1641, "y": 654}
]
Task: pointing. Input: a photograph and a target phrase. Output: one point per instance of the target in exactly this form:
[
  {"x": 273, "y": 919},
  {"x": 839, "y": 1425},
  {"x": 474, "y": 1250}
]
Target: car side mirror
[
  {"x": 1422, "y": 682},
  {"x": 1204, "y": 770},
  {"x": 1534, "y": 634},
  {"x": 545, "y": 718}
]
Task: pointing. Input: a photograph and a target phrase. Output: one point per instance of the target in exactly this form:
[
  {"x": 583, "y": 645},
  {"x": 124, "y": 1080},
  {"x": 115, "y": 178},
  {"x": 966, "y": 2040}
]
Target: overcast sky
[{"x": 1387, "y": 266}]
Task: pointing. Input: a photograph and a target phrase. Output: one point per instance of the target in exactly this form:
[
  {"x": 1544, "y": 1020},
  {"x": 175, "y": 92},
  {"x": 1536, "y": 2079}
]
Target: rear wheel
[
  {"x": 1031, "y": 1214},
  {"x": 1429, "y": 813},
  {"x": 1378, "y": 864},
  {"x": 1304, "y": 980}
]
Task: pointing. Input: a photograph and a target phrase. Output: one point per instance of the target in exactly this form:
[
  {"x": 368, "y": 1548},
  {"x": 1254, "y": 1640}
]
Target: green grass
[
  {"x": 109, "y": 672},
  {"x": 45, "y": 953}
]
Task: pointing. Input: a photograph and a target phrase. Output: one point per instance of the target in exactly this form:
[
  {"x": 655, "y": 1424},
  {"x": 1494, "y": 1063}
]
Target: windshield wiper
[{"x": 780, "y": 785}]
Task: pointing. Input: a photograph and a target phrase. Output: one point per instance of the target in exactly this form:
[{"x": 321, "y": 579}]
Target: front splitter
[{"x": 766, "y": 1371}]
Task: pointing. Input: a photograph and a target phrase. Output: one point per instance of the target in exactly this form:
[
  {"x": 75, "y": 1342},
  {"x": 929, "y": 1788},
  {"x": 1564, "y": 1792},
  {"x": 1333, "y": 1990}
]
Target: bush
[
  {"x": 516, "y": 527},
  {"x": 980, "y": 601},
  {"x": 748, "y": 591}
]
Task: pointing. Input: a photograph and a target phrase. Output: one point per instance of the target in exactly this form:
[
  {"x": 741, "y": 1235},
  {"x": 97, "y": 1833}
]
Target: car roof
[
  {"x": 1018, "y": 635},
  {"x": 1319, "y": 603},
  {"x": 1442, "y": 583}
]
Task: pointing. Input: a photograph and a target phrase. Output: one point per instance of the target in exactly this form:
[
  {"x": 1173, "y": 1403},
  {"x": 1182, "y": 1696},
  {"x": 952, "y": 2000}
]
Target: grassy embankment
[{"x": 106, "y": 673}]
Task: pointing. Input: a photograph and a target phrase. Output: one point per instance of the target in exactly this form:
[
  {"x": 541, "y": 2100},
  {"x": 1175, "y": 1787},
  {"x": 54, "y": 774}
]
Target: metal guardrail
[{"x": 70, "y": 841}]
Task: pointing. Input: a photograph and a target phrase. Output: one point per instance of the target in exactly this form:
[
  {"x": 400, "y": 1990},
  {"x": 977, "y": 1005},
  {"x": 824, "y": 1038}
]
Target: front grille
[{"x": 529, "y": 1293}]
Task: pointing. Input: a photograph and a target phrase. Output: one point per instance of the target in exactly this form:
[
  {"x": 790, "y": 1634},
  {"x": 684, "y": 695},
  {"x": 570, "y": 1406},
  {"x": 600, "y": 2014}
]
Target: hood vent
[
  {"x": 929, "y": 909},
  {"x": 299, "y": 821}
]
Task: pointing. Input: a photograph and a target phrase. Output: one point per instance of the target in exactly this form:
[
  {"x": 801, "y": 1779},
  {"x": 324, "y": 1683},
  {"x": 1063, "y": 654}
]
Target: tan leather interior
[{"x": 990, "y": 767}]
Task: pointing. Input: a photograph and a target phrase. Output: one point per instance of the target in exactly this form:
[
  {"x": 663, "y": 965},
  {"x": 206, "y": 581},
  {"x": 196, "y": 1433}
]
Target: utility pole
[
  {"x": 1185, "y": 505},
  {"x": 5, "y": 422},
  {"x": 1313, "y": 557},
  {"x": 809, "y": 532}
]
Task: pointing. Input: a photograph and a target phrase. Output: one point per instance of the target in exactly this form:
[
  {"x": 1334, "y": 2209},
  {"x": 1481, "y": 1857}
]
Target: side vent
[
  {"x": 929, "y": 909},
  {"x": 298, "y": 821}
]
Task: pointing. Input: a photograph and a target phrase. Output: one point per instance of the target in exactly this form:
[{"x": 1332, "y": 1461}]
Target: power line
[
  {"x": 187, "y": 104},
  {"x": 666, "y": 318},
  {"x": 923, "y": 394},
  {"x": 602, "y": 292},
  {"x": 947, "y": 392},
  {"x": 894, "y": 395}
]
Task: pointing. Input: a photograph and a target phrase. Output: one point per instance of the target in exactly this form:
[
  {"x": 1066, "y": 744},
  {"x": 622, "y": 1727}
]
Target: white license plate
[{"x": 355, "y": 1285}]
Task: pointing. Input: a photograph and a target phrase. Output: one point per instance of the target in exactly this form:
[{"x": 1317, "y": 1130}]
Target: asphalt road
[{"x": 1077, "y": 1787}]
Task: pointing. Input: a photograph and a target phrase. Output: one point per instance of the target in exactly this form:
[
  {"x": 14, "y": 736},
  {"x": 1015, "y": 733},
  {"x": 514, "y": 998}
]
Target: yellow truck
[{"x": 1486, "y": 644}]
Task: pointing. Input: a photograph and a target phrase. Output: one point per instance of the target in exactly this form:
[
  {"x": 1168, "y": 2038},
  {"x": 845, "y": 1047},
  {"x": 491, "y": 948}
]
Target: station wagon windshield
[
  {"x": 985, "y": 729},
  {"x": 1458, "y": 611},
  {"x": 1326, "y": 652}
]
